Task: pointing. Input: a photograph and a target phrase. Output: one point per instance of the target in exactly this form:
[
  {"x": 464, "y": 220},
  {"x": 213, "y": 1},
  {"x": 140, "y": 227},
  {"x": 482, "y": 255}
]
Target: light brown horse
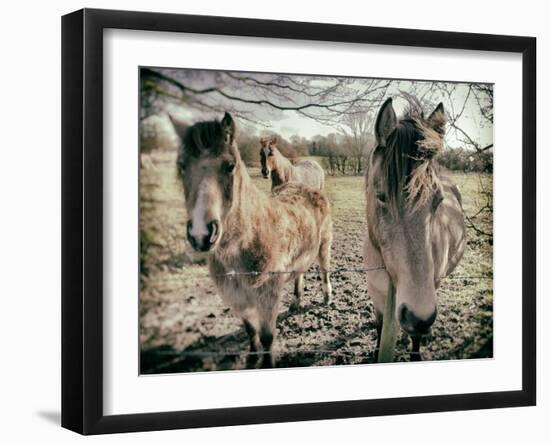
[
  {"x": 414, "y": 218},
  {"x": 254, "y": 242},
  {"x": 282, "y": 170}
]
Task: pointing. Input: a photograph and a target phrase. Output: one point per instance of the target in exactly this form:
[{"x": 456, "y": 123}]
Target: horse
[
  {"x": 281, "y": 170},
  {"x": 253, "y": 242},
  {"x": 415, "y": 221}
]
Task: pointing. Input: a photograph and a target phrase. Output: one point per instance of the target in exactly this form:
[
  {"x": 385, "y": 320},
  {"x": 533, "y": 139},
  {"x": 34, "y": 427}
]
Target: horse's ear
[
  {"x": 228, "y": 126},
  {"x": 274, "y": 140},
  {"x": 386, "y": 121},
  {"x": 438, "y": 119},
  {"x": 179, "y": 126}
]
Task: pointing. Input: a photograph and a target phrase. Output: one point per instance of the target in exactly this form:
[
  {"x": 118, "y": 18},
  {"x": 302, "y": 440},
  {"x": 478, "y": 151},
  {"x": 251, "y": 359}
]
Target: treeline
[
  {"x": 338, "y": 153},
  {"x": 466, "y": 160}
]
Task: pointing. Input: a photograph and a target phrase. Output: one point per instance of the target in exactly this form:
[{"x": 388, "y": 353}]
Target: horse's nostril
[
  {"x": 203, "y": 240},
  {"x": 213, "y": 231},
  {"x": 190, "y": 237},
  {"x": 412, "y": 323}
]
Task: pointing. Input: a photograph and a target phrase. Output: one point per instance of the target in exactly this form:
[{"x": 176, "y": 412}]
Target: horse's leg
[
  {"x": 298, "y": 293},
  {"x": 327, "y": 288},
  {"x": 255, "y": 345},
  {"x": 379, "y": 320},
  {"x": 324, "y": 262},
  {"x": 415, "y": 354},
  {"x": 268, "y": 319},
  {"x": 377, "y": 285},
  {"x": 267, "y": 336},
  {"x": 388, "y": 337}
]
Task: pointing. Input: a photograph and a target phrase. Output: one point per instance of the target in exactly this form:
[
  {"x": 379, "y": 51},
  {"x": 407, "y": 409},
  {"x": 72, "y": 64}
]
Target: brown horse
[
  {"x": 254, "y": 242},
  {"x": 281, "y": 169},
  {"x": 414, "y": 218}
]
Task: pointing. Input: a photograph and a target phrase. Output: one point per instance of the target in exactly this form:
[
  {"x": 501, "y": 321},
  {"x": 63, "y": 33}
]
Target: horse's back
[
  {"x": 451, "y": 221},
  {"x": 452, "y": 188},
  {"x": 452, "y": 197},
  {"x": 299, "y": 195},
  {"x": 310, "y": 173}
]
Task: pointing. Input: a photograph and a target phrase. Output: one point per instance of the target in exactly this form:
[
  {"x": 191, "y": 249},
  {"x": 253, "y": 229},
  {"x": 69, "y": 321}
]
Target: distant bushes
[
  {"x": 157, "y": 133},
  {"x": 460, "y": 159}
]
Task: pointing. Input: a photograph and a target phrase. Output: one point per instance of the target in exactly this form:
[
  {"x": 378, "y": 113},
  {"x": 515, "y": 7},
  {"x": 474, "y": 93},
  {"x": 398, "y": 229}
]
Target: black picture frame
[{"x": 82, "y": 220}]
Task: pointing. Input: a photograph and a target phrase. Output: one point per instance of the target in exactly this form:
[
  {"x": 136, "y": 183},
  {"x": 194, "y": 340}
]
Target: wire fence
[
  {"x": 233, "y": 274},
  {"x": 198, "y": 353},
  {"x": 180, "y": 357}
]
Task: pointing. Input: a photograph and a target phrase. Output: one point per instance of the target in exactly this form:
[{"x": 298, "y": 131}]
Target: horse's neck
[
  {"x": 284, "y": 171},
  {"x": 247, "y": 195},
  {"x": 248, "y": 204},
  {"x": 277, "y": 178}
]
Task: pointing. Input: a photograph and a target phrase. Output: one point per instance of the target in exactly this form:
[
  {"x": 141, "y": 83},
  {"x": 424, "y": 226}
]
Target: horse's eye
[
  {"x": 228, "y": 167},
  {"x": 381, "y": 197}
]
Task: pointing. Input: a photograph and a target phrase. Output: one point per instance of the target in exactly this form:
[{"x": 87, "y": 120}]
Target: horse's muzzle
[
  {"x": 411, "y": 323},
  {"x": 265, "y": 173},
  {"x": 204, "y": 242}
]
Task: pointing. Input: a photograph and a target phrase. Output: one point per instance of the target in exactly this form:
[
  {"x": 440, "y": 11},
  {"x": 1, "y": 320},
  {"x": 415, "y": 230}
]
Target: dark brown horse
[
  {"x": 414, "y": 218},
  {"x": 255, "y": 243}
]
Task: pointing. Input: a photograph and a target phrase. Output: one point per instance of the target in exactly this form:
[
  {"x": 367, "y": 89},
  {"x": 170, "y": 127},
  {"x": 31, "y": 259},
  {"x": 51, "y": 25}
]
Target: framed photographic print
[{"x": 270, "y": 221}]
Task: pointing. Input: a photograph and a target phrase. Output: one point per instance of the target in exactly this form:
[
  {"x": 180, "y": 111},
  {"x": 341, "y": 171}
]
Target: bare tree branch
[{"x": 154, "y": 74}]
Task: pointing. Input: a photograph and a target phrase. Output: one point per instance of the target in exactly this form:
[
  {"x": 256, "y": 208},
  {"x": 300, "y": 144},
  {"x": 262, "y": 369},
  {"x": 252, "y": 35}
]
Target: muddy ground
[{"x": 184, "y": 325}]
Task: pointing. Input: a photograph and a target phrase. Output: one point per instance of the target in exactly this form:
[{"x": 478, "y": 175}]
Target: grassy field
[{"x": 185, "y": 327}]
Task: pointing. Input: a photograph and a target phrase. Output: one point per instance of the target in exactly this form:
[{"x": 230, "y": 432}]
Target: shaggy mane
[
  {"x": 204, "y": 136},
  {"x": 408, "y": 163}
]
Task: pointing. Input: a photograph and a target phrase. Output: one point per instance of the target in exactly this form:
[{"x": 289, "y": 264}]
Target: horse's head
[
  {"x": 268, "y": 146},
  {"x": 403, "y": 196},
  {"x": 208, "y": 163}
]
